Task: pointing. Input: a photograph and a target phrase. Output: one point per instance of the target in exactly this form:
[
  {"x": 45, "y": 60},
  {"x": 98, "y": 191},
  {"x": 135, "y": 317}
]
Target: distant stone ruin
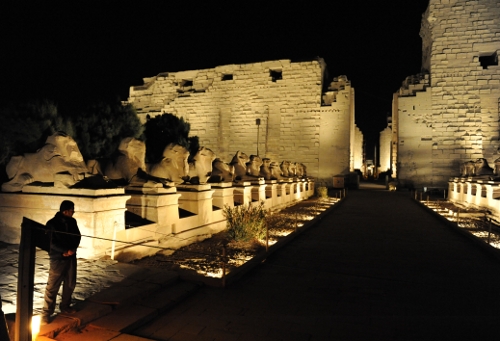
[{"x": 273, "y": 109}]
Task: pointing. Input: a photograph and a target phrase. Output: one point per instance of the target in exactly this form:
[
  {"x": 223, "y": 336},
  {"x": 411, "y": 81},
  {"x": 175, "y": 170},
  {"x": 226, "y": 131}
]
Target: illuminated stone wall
[
  {"x": 385, "y": 150},
  {"x": 456, "y": 119},
  {"x": 415, "y": 128},
  {"x": 358, "y": 150},
  {"x": 298, "y": 122}
]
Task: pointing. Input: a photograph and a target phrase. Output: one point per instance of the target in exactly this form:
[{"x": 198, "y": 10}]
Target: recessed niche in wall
[
  {"x": 186, "y": 83},
  {"x": 488, "y": 60},
  {"x": 275, "y": 75},
  {"x": 228, "y": 77}
]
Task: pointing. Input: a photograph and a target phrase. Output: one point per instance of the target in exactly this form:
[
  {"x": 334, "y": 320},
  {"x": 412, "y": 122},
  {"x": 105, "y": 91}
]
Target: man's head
[{"x": 67, "y": 208}]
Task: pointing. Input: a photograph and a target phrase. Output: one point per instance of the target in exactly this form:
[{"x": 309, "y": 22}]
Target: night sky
[{"x": 74, "y": 52}]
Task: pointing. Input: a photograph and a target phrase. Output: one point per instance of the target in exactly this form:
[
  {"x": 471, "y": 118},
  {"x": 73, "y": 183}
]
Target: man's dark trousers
[{"x": 61, "y": 270}]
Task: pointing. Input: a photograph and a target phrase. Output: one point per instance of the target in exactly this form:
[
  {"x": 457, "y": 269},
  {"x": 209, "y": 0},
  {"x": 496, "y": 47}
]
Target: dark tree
[
  {"x": 194, "y": 145},
  {"x": 26, "y": 126},
  {"x": 101, "y": 126},
  {"x": 162, "y": 130}
]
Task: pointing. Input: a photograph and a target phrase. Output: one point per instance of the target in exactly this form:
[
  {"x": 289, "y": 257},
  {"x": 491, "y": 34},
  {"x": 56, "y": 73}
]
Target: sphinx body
[
  {"x": 221, "y": 172},
  {"x": 468, "y": 168},
  {"x": 301, "y": 171},
  {"x": 284, "y": 167},
  {"x": 200, "y": 168},
  {"x": 239, "y": 162},
  {"x": 275, "y": 170},
  {"x": 59, "y": 161},
  {"x": 265, "y": 169},
  {"x": 482, "y": 168},
  {"x": 496, "y": 168},
  {"x": 173, "y": 166},
  {"x": 253, "y": 166},
  {"x": 292, "y": 169},
  {"x": 128, "y": 161}
]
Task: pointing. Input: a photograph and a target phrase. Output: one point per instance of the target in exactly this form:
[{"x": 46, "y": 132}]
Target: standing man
[{"x": 65, "y": 239}]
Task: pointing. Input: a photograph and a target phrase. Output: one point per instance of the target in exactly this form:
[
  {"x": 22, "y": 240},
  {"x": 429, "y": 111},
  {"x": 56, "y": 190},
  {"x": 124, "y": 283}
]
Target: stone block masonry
[
  {"x": 298, "y": 122},
  {"x": 460, "y": 40},
  {"x": 463, "y": 37}
]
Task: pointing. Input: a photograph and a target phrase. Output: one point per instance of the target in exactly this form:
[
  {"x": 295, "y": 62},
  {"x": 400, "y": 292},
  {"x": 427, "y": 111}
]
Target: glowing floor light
[{"x": 35, "y": 326}]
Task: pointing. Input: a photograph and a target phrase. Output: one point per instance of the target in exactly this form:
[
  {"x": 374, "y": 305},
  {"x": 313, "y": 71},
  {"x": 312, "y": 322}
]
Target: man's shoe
[
  {"x": 45, "y": 320},
  {"x": 68, "y": 310}
]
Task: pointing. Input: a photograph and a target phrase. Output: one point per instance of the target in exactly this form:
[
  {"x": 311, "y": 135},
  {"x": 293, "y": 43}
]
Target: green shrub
[
  {"x": 246, "y": 222},
  {"x": 322, "y": 192}
]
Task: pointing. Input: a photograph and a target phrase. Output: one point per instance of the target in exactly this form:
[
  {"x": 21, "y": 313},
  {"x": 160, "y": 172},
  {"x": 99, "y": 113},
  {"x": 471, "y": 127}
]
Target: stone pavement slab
[
  {"x": 119, "y": 295},
  {"x": 89, "y": 311},
  {"x": 124, "y": 319},
  {"x": 126, "y": 283},
  {"x": 166, "y": 299},
  {"x": 379, "y": 267},
  {"x": 127, "y": 337},
  {"x": 58, "y": 325},
  {"x": 89, "y": 334}
]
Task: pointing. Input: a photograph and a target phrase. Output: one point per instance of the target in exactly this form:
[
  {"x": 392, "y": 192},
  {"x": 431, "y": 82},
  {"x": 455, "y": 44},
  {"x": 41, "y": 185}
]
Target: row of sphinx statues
[
  {"x": 480, "y": 168},
  {"x": 60, "y": 162}
]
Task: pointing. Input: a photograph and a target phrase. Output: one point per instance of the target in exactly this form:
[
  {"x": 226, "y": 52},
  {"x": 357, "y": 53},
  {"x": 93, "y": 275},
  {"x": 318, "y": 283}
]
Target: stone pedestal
[
  {"x": 196, "y": 199},
  {"x": 243, "y": 193},
  {"x": 271, "y": 194},
  {"x": 223, "y": 196},
  {"x": 259, "y": 193},
  {"x": 99, "y": 213},
  {"x": 286, "y": 198},
  {"x": 309, "y": 188},
  {"x": 281, "y": 194},
  {"x": 161, "y": 208}
]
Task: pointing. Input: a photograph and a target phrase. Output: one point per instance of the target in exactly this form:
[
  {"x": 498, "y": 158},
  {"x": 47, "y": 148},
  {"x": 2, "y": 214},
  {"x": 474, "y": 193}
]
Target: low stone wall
[
  {"x": 158, "y": 218},
  {"x": 99, "y": 213},
  {"x": 194, "y": 212},
  {"x": 478, "y": 193}
]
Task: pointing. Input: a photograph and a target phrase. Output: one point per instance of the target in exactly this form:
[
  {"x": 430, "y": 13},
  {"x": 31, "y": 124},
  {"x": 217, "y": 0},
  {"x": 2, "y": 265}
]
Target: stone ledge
[{"x": 72, "y": 191}]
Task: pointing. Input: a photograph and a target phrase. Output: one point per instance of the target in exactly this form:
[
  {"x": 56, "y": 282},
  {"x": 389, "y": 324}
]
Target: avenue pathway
[{"x": 379, "y": 267}]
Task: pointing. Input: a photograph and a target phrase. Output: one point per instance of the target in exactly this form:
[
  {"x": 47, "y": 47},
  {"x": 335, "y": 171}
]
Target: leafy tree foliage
[
  {"x": 26, "y": 126},
  {"x": 164, "y": 129},
  {"x": 194, "y": 145},
  {"x": 101, "y": 127}
]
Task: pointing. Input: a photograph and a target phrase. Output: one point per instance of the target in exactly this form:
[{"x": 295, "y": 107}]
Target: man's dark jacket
[{"x": 68, "y": 239}]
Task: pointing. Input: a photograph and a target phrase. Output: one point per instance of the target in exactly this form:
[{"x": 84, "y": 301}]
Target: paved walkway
[{"x": 379, "y": 267}]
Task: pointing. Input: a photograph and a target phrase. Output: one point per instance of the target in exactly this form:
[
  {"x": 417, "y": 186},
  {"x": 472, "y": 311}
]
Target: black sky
[{"x": 72, "y": 52}]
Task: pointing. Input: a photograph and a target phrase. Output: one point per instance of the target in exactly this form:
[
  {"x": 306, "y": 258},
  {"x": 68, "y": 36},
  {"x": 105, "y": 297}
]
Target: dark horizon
[{"x": 75, "y": 53}]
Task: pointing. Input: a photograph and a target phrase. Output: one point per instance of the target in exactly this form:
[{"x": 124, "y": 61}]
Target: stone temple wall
[
  {"x": 449, "y": 113},
  {"x": 358, "y": 150},
  {"x": 461, "y": 41},
  {"x": 298, "y": 122},
  {"x": 415, "y": 129},
  {"x": 385, "y": 150}
]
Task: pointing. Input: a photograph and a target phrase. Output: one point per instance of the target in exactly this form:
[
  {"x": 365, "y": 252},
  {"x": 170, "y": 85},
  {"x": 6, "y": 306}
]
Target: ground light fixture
[{"x": 35, "y": 326}]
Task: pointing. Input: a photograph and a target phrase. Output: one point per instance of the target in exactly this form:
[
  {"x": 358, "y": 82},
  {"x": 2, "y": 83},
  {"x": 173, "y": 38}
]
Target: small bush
[
  {"x": 246, "y": 222},
  {"x": 322, "y": 192}
]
